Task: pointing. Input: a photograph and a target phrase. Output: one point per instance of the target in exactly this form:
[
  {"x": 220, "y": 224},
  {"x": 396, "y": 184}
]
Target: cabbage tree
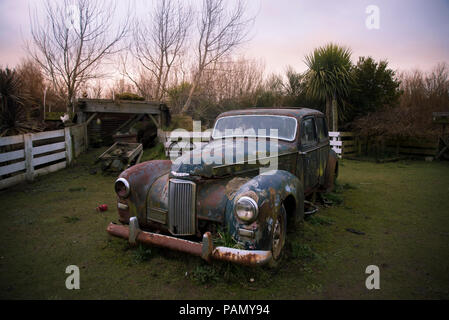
[{"x": 329, "y": 77}]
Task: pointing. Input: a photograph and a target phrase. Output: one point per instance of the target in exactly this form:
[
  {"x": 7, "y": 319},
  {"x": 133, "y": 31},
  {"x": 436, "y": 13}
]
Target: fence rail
[
  {"x": 24, "y": 157},
  {"x": 342, "y": 142},
  {"x": 349, "y": 144}
]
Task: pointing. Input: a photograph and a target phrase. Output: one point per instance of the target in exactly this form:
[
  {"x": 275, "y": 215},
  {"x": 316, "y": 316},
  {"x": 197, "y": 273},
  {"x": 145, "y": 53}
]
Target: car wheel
[{"x": 278, "y": 236}]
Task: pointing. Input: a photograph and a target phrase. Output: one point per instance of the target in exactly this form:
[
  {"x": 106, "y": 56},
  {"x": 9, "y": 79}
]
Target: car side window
[
  {"x": 308, "y": 133},
  {"x": 321, "y": 128}
]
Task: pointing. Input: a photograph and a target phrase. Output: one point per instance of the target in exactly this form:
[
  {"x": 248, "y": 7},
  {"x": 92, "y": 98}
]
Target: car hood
[{"x": 225, "y": 156}]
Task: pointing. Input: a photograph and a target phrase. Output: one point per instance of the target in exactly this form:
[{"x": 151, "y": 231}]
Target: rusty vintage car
[{"x": 180, "y": 205}]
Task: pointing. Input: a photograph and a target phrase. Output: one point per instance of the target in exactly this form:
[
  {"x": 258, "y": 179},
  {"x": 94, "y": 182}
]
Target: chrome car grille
[{"x": 181, "y": 207}]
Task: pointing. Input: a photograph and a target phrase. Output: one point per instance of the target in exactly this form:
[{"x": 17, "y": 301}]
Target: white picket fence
[
  {"x": 21, "y": 163},
  {"x": 342, "y": 142}
]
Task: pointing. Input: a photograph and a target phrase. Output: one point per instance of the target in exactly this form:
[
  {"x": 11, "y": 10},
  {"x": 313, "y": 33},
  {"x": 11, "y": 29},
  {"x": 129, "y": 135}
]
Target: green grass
[
  {"x": 157, "y": 152},
  {"x": 401, "y": 207}
]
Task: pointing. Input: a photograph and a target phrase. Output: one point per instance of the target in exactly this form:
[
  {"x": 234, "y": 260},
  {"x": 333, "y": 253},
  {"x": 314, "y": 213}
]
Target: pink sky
[{"x": 412, "y": 33}]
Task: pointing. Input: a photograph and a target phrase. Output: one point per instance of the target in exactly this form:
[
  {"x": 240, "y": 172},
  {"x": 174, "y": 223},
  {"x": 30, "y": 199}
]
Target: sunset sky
[{"x": 412, "y": 34}]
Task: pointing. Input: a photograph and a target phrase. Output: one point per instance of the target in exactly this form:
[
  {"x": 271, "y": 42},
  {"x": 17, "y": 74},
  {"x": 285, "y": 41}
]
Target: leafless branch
[{"x": 72, "y": 39}]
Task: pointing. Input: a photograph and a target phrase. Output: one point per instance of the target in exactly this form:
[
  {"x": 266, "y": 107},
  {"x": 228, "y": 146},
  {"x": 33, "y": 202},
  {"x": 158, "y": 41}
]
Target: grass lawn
[{"x": 402, "y": 208}]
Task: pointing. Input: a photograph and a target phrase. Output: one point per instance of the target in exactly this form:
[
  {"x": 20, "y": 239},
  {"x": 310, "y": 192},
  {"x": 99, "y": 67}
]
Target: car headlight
[
  {"x": 246, "y": 209},
  {"x": 122, "y": 188}
]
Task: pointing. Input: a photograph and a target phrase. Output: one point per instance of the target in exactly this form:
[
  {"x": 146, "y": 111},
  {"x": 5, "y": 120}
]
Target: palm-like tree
[
  {"x": 11, "y": 102},
  {"x": 329, "y": 77}
]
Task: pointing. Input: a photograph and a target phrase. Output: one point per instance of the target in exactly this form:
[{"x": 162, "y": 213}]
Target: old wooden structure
[
  {"x": 120, "y": 156},
  {"x": 112, "y": 116},
  {"x": 442, "y": 118}
]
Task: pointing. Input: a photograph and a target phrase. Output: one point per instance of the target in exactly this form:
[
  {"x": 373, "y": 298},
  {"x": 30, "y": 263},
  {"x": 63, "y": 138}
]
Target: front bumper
[{"x": 205, "y": 249}]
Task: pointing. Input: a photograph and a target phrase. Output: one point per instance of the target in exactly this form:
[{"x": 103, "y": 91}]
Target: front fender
[
  {"x": 269, "y": 190},
  {"x": 140, "y": 178}
]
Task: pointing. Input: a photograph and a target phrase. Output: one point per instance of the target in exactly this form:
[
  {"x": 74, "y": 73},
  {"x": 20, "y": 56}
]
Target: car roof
[{"x": 282, "y": 111}]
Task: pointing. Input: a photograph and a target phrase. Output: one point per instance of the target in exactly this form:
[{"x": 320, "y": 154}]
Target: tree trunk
[
  {"x": 69, "y": 102},
  {"x": 328, "y": 113},
  {"x": 189, "y": 98},
  {"x": 334, "y": 114}
]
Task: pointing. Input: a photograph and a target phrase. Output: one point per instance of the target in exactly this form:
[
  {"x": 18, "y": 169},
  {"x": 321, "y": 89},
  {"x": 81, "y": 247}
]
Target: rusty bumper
[{"x": 205, "y": 249}]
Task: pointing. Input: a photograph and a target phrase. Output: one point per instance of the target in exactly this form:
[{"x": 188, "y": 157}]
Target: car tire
[{"x": 278, "y": 237}]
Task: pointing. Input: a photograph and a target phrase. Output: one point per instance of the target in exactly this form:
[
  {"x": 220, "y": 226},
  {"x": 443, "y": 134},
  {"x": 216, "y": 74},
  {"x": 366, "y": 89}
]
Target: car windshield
[{"x": 280, "y": 127}]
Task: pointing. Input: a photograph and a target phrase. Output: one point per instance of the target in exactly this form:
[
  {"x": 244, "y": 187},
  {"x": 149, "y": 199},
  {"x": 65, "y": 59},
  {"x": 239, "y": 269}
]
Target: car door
[
  {"x": 309, "y": 153},
  {"x": 323, "y": 147}
]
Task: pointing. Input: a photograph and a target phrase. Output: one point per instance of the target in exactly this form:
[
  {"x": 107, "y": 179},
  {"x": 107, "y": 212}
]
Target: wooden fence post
[
  {"x": 28, "y": 146},
  {"x": 86, "y": 137},
  {"x": 68, "y": 146}
]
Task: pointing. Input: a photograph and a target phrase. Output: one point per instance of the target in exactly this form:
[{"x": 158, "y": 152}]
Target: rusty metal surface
[
  {"x": 141, "y": 177},
  {"x": 269, "y": 192},
  {"x": 194, "y": 164},
  {"x": 293, "y": 112},
  {"x": 243, "y": 257},
  {"x": 204, "y": 250},
  {"x": 123, "y": 214},
  {"x": 219, "y": 186},
  {"x": 155, "y": 239}
]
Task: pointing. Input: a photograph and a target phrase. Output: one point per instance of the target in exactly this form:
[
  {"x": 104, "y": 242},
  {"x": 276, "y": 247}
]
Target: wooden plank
[
  {"x": 346, "y": 134},
  {"x": 13, "y": 155},
  {"x": 11, "y": 168},
  {"x": 8, "y": 182},
  {"x": 422, "y": 144},
  {"x": 49, "y": 148},
  {"x": 91, "y": 118},
  {"x": 110, "y": 106},
  {"x": 108, "y": 150},
  {"x": 348, "y": 143},
  {"x": 154, "y": 120},
  {"x": 49, "y": 158},
  {"x": 86, "y": 137},
  {"x": 334, "y": 134},
  {"x": 338, "y": 151},
  {"x": 68, "y": 146},
  {"x": 49, "y": 169},
  {"x": 28, "y": 144},
  {"x": 424, "y": 152},
  {"x": 5, "y": 141},
  {"x": 48, "y": 134},
  {"x": 336, "y": 143}
]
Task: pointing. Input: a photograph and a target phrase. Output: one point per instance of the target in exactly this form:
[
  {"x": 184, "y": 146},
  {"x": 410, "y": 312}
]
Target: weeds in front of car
[
  {"x": 142, "y": 254},
  {"x": 205, "y": 274},
  {"x": 225, "y": 239}
]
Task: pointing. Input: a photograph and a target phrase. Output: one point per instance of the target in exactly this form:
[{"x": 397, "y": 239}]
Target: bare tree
[
  {"x": 73, "y": 39},
  {"x": 220, "y": 32},
  {"x": 158, "y": 43}
]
